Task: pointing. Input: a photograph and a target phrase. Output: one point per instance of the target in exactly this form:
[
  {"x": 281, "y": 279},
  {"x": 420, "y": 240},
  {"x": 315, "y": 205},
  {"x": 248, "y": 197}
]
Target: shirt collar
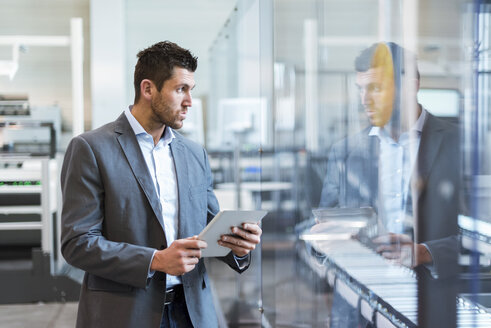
[
  {"x": 135, "y": 125},
  {"x": 420, "y": 121},
  {"x": 168, "y": 135},
  {"x": 418, "y": 126},
  {"x": 138, "y": 129}
]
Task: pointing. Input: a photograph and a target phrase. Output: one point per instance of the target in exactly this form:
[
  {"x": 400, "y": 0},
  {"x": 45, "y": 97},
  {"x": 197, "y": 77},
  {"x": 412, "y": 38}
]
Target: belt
[{"x": 174, "y": 294}]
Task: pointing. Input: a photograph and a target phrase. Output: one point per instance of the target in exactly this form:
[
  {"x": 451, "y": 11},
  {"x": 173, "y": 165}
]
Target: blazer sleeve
[
  {"x": 444, "y": 253},
  {"x": 83, "y": 244}
]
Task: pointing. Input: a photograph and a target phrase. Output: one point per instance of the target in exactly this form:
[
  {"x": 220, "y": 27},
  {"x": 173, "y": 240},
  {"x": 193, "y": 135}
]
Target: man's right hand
[{"x": 180, "y": 257}]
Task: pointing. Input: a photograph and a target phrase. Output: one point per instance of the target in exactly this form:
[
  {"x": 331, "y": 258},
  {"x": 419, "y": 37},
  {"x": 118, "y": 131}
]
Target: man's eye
[
  {"x": 179, "y": 90},
  {"x": 376, "y": 88}
]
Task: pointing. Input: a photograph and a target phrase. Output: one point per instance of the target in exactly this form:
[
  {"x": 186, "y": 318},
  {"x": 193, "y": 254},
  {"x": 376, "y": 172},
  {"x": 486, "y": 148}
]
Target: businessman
[
  {"x": 405, "y": 166},
  {"x": 405, "y": 152},
  {"x": 135, "y": 196}
]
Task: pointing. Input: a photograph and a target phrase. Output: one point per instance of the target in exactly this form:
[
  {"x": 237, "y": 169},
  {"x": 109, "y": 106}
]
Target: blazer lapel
[
  {"x": 373, "y": 163},
  {"x": 180, "y": 161},
  {"x": 429, "y": 146},
  {"x": 431, "y": 139},
  {"x": 131, "y": 150}
]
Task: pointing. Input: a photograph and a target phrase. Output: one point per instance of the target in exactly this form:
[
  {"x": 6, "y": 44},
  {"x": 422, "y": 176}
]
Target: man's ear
[{"x": 146, "y": 89}]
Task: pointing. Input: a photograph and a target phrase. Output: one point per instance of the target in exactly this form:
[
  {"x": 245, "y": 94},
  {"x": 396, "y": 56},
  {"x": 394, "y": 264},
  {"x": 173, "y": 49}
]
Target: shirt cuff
[
  {"x": 242, "y": 261},
  {"x": 431, "y": 266},
  {"x": 151, "y": 272}
]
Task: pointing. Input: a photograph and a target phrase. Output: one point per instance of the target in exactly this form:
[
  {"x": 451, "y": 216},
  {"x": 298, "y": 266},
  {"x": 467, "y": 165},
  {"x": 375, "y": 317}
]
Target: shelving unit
[
  {"x": 30, "y": 184},
  {"x": 18, "y": 174}
]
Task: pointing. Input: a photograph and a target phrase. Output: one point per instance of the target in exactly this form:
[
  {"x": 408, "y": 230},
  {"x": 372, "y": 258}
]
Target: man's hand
[
  {"x": 402, "y": 250},
  {"x": 180, "y": 257},
  {"x": 244, "y": 239}
]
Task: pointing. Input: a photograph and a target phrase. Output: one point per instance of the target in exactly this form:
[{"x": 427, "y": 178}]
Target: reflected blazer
[{"x": 112, "y": 223}]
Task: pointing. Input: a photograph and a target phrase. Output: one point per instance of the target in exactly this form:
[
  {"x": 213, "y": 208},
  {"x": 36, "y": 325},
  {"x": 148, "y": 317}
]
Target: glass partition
[
  {"x": 375, "y": 234},
  {"x": 367, "y": 136},
  {"x": 474, "y": 219},
  {"x": 239, "y": 139}
]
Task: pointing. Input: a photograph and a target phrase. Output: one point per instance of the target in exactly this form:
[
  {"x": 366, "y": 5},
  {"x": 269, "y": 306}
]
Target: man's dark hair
[
  {"x": 157, "y": 63},
  {"x": 365, "y": 59}
]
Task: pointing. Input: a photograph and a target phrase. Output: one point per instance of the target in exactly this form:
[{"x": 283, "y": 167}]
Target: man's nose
[
  {"x": 188, "y": 99},
  {"x": 365, "y": 97}
]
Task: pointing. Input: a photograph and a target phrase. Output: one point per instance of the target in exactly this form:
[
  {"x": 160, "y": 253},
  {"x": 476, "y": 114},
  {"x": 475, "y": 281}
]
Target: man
[
  {"x": 405, "y": 152},
  {"x": 135, "y": 195},
  {"x": 405, "y": 166}
]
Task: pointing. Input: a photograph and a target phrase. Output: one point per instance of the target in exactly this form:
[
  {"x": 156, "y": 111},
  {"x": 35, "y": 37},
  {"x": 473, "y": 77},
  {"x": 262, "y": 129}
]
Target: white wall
[
  {"x": 121, "y": 29},
  {"x": 193, "y": 24},
  {"x": 108, "y": 60},
  {"x": 44, "y": 72}
]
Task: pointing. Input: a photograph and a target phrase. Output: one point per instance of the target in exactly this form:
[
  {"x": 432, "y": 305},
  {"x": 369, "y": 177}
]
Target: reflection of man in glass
[
  {"x": 405, "y": 152},
  {"x": 397, "y": 123},
  {"x": 405, "y": 166}
]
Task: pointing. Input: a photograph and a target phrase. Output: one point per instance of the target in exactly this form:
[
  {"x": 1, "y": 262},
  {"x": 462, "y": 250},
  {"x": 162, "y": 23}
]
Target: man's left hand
[
  {"x": 402, "y": 250},
  {"x": 243, "y": 240}
]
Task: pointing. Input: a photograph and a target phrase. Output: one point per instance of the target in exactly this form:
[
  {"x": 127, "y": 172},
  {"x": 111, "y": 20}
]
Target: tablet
[{"x": 220, "y": 225}]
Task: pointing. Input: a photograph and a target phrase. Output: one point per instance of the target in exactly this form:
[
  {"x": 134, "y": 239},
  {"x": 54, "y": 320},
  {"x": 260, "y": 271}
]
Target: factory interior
[{"x": 282, "y": 113}]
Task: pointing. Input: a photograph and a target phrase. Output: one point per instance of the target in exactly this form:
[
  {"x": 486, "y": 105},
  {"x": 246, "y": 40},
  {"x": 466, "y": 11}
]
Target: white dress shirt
[
  {"x": 160, "y": 164},
  {"x": 396, "y": 164}
]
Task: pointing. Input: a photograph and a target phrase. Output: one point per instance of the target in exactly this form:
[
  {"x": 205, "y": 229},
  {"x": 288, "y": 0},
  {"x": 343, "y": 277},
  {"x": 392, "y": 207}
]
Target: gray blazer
[
  {"x": 112, "y": 223},
  {"x": 352, "y": 181}
]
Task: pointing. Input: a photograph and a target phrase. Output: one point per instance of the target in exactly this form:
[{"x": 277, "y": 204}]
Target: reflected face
[
  {"x": 170, "y": 105},
  {"x": 377, "y": 93}
]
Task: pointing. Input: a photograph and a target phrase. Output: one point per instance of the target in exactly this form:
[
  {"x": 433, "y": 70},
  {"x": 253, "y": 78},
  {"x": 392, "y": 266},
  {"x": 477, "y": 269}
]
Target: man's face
[
  {"x": 377, "y": 94},
  {"x": 170, "y": 105}
]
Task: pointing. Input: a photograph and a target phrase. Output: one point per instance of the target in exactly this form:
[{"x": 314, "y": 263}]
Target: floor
[
  {"x": 40, "y": 315},
  {"x": 289, "y": 295}
]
